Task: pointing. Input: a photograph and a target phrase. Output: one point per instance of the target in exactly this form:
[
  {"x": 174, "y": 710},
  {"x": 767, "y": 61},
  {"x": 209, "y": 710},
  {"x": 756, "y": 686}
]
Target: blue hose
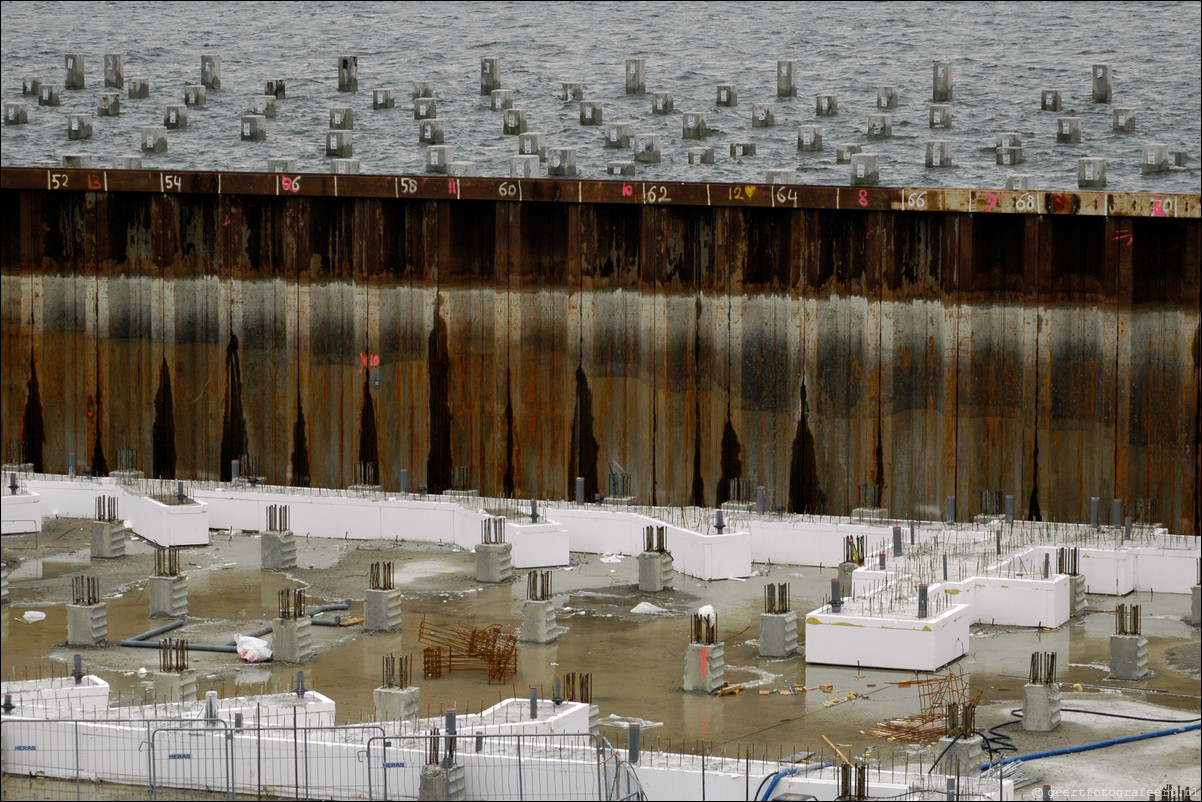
[
  {"x": 1068, "y": 750},
  {"x": 807, "y": 768}
]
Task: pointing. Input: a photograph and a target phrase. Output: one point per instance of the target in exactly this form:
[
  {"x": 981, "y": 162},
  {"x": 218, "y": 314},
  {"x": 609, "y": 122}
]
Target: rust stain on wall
[{"x": 815, "y": 351}]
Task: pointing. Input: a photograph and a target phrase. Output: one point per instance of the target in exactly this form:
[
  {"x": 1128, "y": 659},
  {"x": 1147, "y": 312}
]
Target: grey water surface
[{"x": 1002, "y": 55}]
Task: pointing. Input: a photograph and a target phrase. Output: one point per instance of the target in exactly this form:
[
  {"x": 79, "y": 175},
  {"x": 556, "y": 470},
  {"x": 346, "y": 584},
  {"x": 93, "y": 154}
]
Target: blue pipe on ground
[{"x": 1068, "y": 750}]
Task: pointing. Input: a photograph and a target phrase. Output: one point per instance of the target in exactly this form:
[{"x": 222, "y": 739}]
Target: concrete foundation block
[
  {"x": 79, "y": 126},
  {"x": 194, "y": 95},
  {"x": 382, "y": 611},
  {"x": 701, "y": 155},
  {"x": 591, "y": 113},
  {"x": 963, "y": 758},
  {"x": 538, "y": 623},
  {"x": 693, "y": 125},
  {"x": 1091, "y": 173},
  {"x": 778, "y": 634},
  {"x": 1155, "y": 159},
  {"x": 523, "y": 166},
  {"x": 865, "y": 169},
  {"x": 740, "y": 149},
  {"x": 880, "y": 126},
  {"x": 846, "y": 569},
  {"x": 1195, "y": 606},
  {"x": 617, "y": 135},
  {"x": 655, "y": 571},
  {"x": 442, "y": 783},
  {"x": 108, "y": 540},
  {"x": 49, "y": 95},
  {"x": 108, "y": 104},
  {"x": 728, "y": 95},
  {"x": 562, "y": 161},
  {"x": 1128, "y": 657},
  {"x": 77, "y": 161},
  {"x": 843, "y": 154},
  {"x": 594, "y": 719},
  {"x": 16, "y": 113},
  {"x": 494, "y": 562},
  {"x": 647, "y": 149},
  {"x": 139, "y": 88},
  {"x": 1041, "y": 707},
  {"x": 431, "y": 132},
  {"x": 437, "y": 158},
  {"x": 30, "y": 85},
  {"x": 154, "y": 139},
  {"x": 292, "y": 640},
  {"x": 277, "y": 551},
  {"x": 397, "y": 704},
  {"x": 663, "y": 103},
  {"x": 425, "y": 108},
  {"x": 264, "y": 105},
  {"x": 763, "y": 115},
  {"x": 175, "y": 687},
  {"x": 533, "y": 143},
  {"x": 254, "y": 127},
  {"x": 1077, "y": 602},
  {"x": 175, "y": 117},
  {"x": 168, "y": 596},
  {"x": 704, "y": 667},
  {"x": 809, "y": 137},
  {"x": 501, "y": 99},
  {"x": 514, "y": 122},
  {"x": 620, "y": 168},
  {"x": 87, "y": 624},
  {"x": 340, "y": 144}
]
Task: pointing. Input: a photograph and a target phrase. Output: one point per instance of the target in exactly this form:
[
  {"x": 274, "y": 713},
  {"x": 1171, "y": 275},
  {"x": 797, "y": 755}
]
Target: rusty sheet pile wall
[{"x": 509, "y": 336}]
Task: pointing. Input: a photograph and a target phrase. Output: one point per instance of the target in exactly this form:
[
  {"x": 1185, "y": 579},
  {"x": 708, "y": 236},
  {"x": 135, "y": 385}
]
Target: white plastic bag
[{"x": 252, "y": 650}]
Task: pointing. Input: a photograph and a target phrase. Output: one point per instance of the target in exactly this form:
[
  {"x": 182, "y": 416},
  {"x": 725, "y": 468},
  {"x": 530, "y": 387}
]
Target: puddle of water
[{"x": 636, "y": 661}]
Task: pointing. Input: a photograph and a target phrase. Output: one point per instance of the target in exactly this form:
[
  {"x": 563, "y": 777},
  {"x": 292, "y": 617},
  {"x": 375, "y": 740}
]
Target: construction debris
[{"x": 465, "y": 648}]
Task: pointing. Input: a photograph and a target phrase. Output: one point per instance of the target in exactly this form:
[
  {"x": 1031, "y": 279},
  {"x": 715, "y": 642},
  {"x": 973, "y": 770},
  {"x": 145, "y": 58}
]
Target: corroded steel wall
[{"x": 811, "y": 340}]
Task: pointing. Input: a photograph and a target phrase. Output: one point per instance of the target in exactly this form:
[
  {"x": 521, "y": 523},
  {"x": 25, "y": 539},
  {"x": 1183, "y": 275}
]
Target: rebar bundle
[
  {"x": 106, "y": 508},
  {"x": 432, "y": 748},
  {"x": 578, "y": 687},
  {"x": 1067, "y": 560},
  {"x": 365, "y": 473},
  {"x": 935, "y": 694},
  {"x": 705, "y": 628},
  {"x": 961, "y": 719},
  {"x": 277, "y": 518},
  {"x": 166, "y": 561},
  {"x": 655, "y": 538},
  {"x": 1043, "y": 668},
  {"x": 292, "y": 604},
  {"x": 1126, "y": 619},
  {"x": 776, "y": 598},
  {"x": 460, "y": 478},
  {"x": 854, "y": 549},
  {"x": 173, "y": 655},
  {"x": 85, "y": 590},
  {"x": 396, "y": 672},
  {"x": 492, "y": 530},
  {"x": 380, "y": 576},
  {"x": 538, "y": 585},
  {"x": 127, "y": 458}
]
